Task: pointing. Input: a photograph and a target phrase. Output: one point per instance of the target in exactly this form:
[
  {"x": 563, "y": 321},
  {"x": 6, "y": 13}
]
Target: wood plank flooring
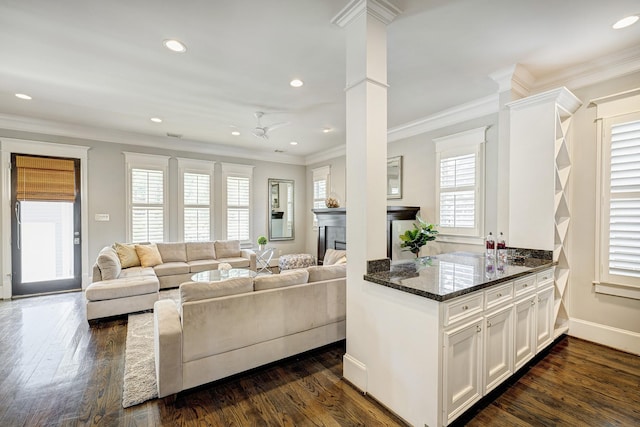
[{"x": 56, "y": 370}]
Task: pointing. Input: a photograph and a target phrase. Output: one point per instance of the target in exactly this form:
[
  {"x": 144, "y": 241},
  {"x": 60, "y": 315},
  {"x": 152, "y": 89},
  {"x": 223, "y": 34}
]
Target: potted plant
[
  {"x": 413, "y": 240},
  {"x": 261, "y": 242}
]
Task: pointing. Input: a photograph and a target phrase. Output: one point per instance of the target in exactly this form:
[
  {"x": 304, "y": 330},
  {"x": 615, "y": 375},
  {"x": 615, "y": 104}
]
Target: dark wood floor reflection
[{"x": 57, "y": 370}]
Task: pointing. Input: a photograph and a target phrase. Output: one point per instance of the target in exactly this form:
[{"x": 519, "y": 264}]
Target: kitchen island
[{"x": 471, "y": 323}]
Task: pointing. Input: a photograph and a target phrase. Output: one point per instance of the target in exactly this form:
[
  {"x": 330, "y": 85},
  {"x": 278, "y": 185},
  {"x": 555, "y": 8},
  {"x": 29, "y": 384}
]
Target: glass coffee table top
[{"x": 218, "y": 275}]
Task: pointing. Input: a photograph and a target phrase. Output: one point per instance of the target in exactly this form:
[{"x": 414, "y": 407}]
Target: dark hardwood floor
[{"x": 56, "y": 370}]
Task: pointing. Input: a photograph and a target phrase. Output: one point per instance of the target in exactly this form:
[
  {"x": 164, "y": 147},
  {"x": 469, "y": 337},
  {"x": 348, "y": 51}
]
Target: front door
[{"x": 45, "y": 224}]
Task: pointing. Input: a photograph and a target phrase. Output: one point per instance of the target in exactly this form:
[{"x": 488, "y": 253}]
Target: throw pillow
[
  {"x": 109, "y": 264},
  {"x": 227, "y": 249},
  {"x": 200, "y": 250},
  {"x": 291, "y": 278},
  {"x": 127, "y": 254},
  {"x": 334, "y": 256},
  {"x": 149, "y": 255}
]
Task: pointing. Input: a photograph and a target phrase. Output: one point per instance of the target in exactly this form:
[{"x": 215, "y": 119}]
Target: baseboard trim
[
  {"x": 355, "y": 372},
  {"x": 620, "y": 339}
]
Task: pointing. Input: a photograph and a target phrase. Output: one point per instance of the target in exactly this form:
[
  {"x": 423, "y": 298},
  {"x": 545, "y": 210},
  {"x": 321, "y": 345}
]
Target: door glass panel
[{"x": 46, "y": 241}]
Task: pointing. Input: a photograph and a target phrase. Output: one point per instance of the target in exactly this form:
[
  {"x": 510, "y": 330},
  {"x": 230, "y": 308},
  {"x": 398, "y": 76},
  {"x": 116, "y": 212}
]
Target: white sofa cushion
[
  {"x": 335, "y": 256},
  {"x": 292, "y": 278},
  {"x": 195, "y": 291},
  {"x": 202, "y": 265},
  {"x": 109, "y": 263},
  {"x": 172, "y": 252},
  {"x": 121, "y": 288},
  {"x": 227, "y": 248},
  {"x": 201, "y": 251},
  {"x": 171, "y": 268},
  {"x": 137, "y": 272},
  {"x": 318, "y": 273},
  {"x": 236, "y": 262}
]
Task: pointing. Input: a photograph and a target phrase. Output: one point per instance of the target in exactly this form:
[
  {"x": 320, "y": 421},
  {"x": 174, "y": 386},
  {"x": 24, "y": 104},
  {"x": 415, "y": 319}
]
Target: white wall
[
  {"x": 106, "y": 189},
  {"x": 593, "y": 315}
]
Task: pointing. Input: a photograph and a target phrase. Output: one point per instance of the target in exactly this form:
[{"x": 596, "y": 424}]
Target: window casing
[
  {"x": 460, "y": 184},
  {"x": 195, "y": 216},
  {"x": 237, "y": 182},
  {"x": 321, "y": 178},
  {"x": 146, "y": 197},
  {"x": 619, "y": 210}
]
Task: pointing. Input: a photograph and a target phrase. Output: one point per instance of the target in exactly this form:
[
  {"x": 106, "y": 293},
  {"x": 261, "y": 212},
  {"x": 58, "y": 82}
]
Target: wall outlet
[{"x": 101, "y": 217}]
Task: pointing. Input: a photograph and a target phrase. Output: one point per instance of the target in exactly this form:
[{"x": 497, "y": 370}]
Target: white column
[{"x": 366, "y": 127}]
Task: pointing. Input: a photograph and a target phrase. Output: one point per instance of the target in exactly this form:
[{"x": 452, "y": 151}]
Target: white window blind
[
  {"x": 321, "y": 177},
  {"x": 457, "y": 191},
  {"x": 238, "y": 207},
  {"x": 197, "y": 208},
  {"x": 624, "y": 200},
  {"x": 147, "y": 205}
]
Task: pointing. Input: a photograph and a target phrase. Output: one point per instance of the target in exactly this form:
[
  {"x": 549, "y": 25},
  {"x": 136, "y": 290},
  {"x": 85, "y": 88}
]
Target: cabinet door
[
  {"x": 462, "y": 374},
  {"x": 544, "y": 318},
  {"x": 525, "y": 339},
  {"x": 498, "y": 347}
]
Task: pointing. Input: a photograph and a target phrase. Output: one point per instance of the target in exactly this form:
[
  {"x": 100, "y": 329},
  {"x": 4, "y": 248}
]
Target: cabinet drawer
[
  {"x": 463, "y": 308},
  {"x": 525, "y": 285},
  {"x": 498, "y": 295},
  {"x": 545, "y": 276}
]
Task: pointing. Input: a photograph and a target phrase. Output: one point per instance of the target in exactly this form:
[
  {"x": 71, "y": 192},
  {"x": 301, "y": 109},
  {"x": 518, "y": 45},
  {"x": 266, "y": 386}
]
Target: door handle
[{"x": 17, "y": 211}]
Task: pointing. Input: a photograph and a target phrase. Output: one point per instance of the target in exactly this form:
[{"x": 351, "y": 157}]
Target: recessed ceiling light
[
  {"x": 293, "y": 143},
  {"x": 296, "y": 83},
  {"x": 156, "y": 119},
  {"x": 175, "y": 45},
  {"x": 326, "y": 130},
  {"x": 625, "y": 22},
  {"x": 23, "y": 96},
  {"x": 235, "y": 133}
]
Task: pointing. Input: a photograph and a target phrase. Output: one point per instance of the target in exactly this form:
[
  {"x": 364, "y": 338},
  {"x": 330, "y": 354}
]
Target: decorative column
[{"x": 366, "y": 23}]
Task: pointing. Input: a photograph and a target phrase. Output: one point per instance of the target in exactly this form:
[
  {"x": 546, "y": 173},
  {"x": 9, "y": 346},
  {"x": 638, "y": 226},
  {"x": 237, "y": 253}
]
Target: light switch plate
[{"x": 102, "y": 217}]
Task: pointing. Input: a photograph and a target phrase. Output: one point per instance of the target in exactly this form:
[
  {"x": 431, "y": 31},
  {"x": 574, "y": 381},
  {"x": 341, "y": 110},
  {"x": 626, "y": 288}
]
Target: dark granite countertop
[{"x": 446, "y": 276}]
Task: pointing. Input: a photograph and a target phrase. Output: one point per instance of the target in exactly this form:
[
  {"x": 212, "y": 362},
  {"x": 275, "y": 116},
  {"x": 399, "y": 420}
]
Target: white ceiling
[{"x": 101, "y": 64}]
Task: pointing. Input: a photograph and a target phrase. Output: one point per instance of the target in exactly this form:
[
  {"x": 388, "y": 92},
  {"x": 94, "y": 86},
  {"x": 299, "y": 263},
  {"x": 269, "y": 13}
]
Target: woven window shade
[{"x": 45, "y": 179}]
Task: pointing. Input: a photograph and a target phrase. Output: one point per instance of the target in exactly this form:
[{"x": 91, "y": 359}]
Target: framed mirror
[
  {"x": 394, "y": 177},
  {"x": 281, "y": 209}
]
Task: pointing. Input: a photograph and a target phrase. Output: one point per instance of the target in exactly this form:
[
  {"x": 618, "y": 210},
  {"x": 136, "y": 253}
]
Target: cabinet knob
[
  {"x": 488, "y": 324},
  {"x": 525, "y": 285},
  {"x": 478, "y": 329},
  {"x": 533, "y": 303},
  {"x": 499, "y": 295},
  {"x": 465, "y": 307}
]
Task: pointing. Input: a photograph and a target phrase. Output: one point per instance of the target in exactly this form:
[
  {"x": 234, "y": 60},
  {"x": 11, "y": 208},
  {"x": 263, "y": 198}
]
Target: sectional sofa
[
  {"x": 127, "y": 277},
  {"x": 222, "y": 328}
]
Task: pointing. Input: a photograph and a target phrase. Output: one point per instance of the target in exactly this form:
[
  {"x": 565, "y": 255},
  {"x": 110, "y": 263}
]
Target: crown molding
[
  {"x": 331, "y": 153},
  {"x": 47, "y": 127},
  {"x": 609, "y": 67},
  {"x": 561, "y": 96},
  {"x": 514, "y": 78},
  {"x": 382, "y": 10},
  {"x": 471, "y": 110}
]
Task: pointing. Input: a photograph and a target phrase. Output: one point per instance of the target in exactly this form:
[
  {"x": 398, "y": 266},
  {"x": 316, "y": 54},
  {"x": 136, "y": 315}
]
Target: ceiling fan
[{"x": 263, "y": 131}]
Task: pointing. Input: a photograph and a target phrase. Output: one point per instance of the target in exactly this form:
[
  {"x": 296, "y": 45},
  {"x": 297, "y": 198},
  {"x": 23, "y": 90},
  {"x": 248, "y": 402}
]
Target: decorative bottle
[
  {"x": 490, "y": 245},
  {"x": 501, "y": 247}
]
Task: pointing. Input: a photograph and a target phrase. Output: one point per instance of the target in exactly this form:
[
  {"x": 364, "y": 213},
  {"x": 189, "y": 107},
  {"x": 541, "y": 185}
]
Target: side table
[{"x": 263, "y": 258}]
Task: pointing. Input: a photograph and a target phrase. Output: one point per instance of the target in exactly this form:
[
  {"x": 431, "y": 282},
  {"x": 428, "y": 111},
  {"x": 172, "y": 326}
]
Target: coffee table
[{"x": 218, "y": 275}]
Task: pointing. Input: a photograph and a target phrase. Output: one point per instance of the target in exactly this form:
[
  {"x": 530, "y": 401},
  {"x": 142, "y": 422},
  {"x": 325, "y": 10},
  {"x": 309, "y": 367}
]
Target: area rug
[{"x": 139, "y": 363}]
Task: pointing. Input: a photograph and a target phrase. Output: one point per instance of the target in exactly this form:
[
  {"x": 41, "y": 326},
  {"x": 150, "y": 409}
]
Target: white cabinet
[
  {"x": 544, "y": 318},
  {"x": 462, "y": 368},
  {"x": 524, "y": 324},
  {"x": 498, "y": 347}
]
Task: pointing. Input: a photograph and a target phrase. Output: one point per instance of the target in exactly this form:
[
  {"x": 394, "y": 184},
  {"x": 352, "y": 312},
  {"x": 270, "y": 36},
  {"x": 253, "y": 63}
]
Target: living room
[{"x": 604, "y": 315}]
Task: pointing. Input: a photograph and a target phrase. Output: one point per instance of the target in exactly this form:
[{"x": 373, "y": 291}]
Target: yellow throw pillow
[
  {"x": 127, "y": 254},
  {"x": 149, "y": 255}
]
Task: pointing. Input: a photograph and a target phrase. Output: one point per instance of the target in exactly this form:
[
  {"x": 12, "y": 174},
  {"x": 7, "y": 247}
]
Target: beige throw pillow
[
  {"x": 127, "y": 254},
  {"x": 335, "y": 256},
  {"x": 318, "y": 273},
  {"x": 149, "y": 255}
]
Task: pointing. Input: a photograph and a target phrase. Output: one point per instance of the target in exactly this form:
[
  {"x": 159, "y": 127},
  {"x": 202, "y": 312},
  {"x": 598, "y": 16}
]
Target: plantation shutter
[
  {"x": 238, "y": 196},
  {"x": 457, "y": 191},
  {"x": 147, "y": 193},
  {"x": 624, "y": 202},
  {"x": 45, "y": 179},
  {"x": 197, "y": 209}
]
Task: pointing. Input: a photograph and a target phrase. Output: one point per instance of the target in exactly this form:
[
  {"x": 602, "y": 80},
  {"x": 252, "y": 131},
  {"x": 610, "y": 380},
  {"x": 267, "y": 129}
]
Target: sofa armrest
[
  {"x": 96, "y": 274},
  {"x": 167, "y": 337},
  {"x": 251, "y": 255}
]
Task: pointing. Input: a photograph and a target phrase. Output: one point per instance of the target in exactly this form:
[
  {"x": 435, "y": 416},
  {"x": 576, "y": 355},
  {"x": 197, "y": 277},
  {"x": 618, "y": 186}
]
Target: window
[
  {"x": 196, "y": 182},
  {"x": 460, "y": 184},
  {"x": 321, "y": 180},
  {"x": 237, "y": 182},
  {"x": 146, "y": 183}
]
